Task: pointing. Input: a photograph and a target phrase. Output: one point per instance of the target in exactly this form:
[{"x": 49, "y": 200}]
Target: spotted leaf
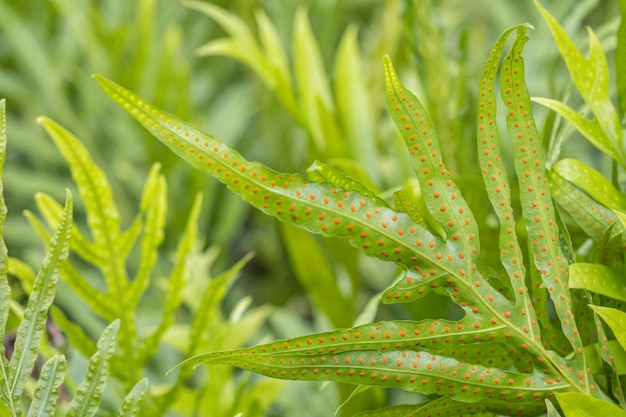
[
  {"x": 592, "y": 182},
  {"x": 410, "y": 369},
  {"x": 446, "y": 406},
  {"x": 497, "y": 182},
  {"x": 440, "y": 193},
  {"x": 589, "y": 215},
  {"x": 5, "y": 289},
  {"x": 32, "y": 327},
  {"x": 537, "y": 206},
  {"x": 47, "y": 387},
  {"x": 496, "y": 351},
  {"x": 318, "y": 207}
]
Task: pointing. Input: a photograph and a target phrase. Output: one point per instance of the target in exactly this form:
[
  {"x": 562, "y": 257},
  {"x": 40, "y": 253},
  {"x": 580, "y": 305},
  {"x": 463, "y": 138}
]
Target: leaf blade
[
  {"x": 47, "y": 388},
  {"x": 31, "y": 329},
  {"x": 89, "y": 392}
]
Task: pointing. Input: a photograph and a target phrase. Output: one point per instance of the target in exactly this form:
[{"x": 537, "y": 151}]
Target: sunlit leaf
[
  {"x": 575, "y": 404},
  {"x": 616, "y": 320},
  {"x": 598, "y": 278}
]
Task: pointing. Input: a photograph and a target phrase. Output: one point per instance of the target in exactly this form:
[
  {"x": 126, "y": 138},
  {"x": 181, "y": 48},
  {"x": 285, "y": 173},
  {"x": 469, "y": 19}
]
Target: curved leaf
[
  {"x": 592, "y": 182},
  {"x": 5, "y": 289},
  {"x": 47, "y": 388},
  {"x": 591, "y": 77},
  {"x": 443, "y": 199},
  {"x": 131, "y": 406},
  {"x": 89, "y": 393},
  {"x": 598, "y": 278},
  {"x": 407, "y": 369},
  {"x": 592, "y": 217},
  {"x": 447, "y": 406},
  {"x": 32, "y": 327},
  {"x": 575, "y": 404},
  {"x": 616, "y": 320}
]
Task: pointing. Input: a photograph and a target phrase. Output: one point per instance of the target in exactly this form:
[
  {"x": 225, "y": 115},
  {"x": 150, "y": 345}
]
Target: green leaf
[
  {"x": 47, "y": 388},
  {"x": 446, "y": 406},
  {"x": 591, "y": 182},
  {"x": 321, "y": 172},
  {"x": 52, "y": 212},
  {"x": 176, "y": 282},
  {"x": 618, "y": 353},
  {"x": 496, "y": 351},
  {"x": 319, "y": 208},
  {"x": 591, "y": 77},
  {"x": 211, "y": 298},
  {"x": 94, "y": 298},
  {"x": 5, "y": 289},
  {"x": 386, "y": 354},
  {"x": 93, "y": 185},
  {"x": 599, "y": 279},
  {"x": 32, "y": 327},
  {"x": 496, "y": 179},
  {"x": 590, "y": 129},
  {"x": 89, "y": 393},
  {"x": 409, "y": 200},
  {"x": 616, "y": 320},
  {"x": 536, "y": 201},
  {"x": 6, "y": 396},
  {"x": 592, "y": 217},
  {"x": 552, "y": 412},
  {"x": 443, "y": 199},
  {"x": 131, "y": 406},
  {"x": 154, "y": 203},
  {"x": 575, "y": 404}
]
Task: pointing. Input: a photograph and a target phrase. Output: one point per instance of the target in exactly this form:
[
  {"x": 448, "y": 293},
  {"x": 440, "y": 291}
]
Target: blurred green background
[{"x": 331, "y": 109}]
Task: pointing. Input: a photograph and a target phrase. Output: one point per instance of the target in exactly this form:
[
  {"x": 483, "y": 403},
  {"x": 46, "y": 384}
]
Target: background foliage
[{"x": 149, "y": 46}]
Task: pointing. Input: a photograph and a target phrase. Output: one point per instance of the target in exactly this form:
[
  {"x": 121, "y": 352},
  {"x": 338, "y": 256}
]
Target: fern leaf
[
  {"x": 592, "y": 182},
  {"x": 211, "y": 298},
  {"x": 320, "y": 172},
  {"x": 575, "y": 404},
  {"x": 442, "y": 197},
  {"x": 319, "y": 208},
  {"x": 52, "y": 212},
  {"x": 592, "y": 217},
  {"x": 386, "y": 365},
  {"x": 31, "y": 329},
  {"x": 47, "y": 388},
  {"x": 154, "y": 202},
  {"x": 599, "y": 279},
  {"x": 537, "y": 206},
  {"x": 507, "y": 360},
  {"x": 89, "y": 393},
  {"x": 5, "y": 288},
  {"x": 447, "y": 406},
  {"x": 102, "y": 213},
  {"x": 176, "y": 282},
  {"x": 131, "y": 407},
  {"x": 591, "y": 77}
]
